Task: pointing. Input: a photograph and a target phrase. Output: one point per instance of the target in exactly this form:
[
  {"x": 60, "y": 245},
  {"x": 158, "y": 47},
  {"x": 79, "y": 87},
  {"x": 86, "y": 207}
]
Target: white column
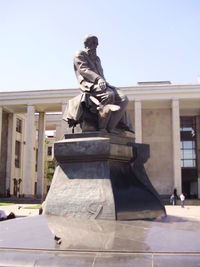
[
  {"x": 9, "y": 151},
  {"x": 12, "y": 172},
  {"x": 176, "y": 145},
  {"x": 64, "y": 126},
  {"x": 41, "y": 150},
  {"x": 58, "y": 132},
  {"x": 138, "y": 121},
  {"x": 29, "y": 158},
  {"x": 1, "y": 114}
]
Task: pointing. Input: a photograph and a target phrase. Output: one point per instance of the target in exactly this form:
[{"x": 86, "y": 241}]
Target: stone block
[
  {"x": 102, "y": 176},
  {"x": 81, "y": 185}
]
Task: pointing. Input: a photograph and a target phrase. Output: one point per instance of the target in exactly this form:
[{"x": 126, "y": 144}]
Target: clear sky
[{"x": 139, "y": 40}]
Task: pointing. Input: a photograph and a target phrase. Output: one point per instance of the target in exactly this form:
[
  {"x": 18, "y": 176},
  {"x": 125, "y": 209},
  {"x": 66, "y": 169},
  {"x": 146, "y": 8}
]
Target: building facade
[{"x": 165, "y": 116}]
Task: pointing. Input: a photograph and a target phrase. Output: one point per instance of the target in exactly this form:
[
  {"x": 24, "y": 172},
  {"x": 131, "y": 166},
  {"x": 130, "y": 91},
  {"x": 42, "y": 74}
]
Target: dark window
[
  {"x": 17, "y": 154},
  {"x": 188, "y": 156},
  {"x": 188, "y": 142},
  {"x": 36, "y": 159},
  {"x": 35, "y": 188},
  {"x": 19, "y": 125},
  {"x": 49, "y": 152}
]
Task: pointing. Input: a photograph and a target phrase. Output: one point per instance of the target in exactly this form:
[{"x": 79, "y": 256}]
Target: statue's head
[{"x": 91, "y": 41}]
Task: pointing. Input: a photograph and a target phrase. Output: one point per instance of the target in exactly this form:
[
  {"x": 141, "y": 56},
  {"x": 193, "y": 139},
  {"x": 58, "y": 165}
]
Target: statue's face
[{"x": 92, "y": 43}]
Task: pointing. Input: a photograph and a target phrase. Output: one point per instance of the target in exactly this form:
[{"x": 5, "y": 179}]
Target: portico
[{"x": 155, "y": 111}]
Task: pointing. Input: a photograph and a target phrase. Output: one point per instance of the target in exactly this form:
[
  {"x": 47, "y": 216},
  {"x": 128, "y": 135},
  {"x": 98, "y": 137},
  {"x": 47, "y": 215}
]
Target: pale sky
[{"x": 139, "y": 40}]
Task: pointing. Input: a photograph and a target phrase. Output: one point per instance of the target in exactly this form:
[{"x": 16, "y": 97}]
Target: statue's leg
[
  {"x": 122, "y": 101},
  {"x": 125, "y": 123},
  {"x": 103, "y": 119},
  {"x": 105, "y": 98}
]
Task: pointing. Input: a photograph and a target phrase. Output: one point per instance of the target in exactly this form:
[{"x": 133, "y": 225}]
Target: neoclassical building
[{"x": 164, "y": 115}]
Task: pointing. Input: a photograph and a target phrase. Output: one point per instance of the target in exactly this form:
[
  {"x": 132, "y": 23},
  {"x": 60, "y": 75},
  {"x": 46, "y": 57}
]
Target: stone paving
[
  {"x": 192, "y": 212},
  {"x": 173, "y": 241}
]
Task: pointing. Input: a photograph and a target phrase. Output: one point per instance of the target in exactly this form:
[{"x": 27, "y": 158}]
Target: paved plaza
[
  {"x": 23, "y": 210},
  {"x": 29, "y": 240}
]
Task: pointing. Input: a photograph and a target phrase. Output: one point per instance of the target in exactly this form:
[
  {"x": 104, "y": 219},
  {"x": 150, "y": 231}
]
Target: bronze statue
[
  {"x": 99, "y": 103},
  {"x": 100, "y": 178}
]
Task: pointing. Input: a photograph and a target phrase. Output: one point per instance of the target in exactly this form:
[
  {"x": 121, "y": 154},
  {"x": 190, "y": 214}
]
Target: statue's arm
[{"x": 84, "y": 68}]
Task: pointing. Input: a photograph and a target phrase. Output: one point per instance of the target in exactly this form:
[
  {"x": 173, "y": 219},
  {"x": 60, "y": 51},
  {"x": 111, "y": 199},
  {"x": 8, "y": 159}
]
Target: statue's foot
[
  {"x": 113, "y": 131},
  {"x": 103, "y": 130}
]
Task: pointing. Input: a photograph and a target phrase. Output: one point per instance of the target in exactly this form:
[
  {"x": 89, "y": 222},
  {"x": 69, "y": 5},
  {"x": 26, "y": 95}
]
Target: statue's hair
[{"x": 89, "y": 37}]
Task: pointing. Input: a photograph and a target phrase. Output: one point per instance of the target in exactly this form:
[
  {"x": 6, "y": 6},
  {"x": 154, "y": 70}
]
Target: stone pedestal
[{"x": 95, "y": 179}]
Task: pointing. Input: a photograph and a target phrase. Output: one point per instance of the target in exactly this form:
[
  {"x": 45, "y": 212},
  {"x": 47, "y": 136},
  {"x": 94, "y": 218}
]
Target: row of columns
[{"x": 30, "y": 141}]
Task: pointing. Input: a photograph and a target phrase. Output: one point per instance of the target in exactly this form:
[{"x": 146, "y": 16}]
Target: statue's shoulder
[
  {"x": 80, "y": 53},
  {"x": 98, "y": 59}
]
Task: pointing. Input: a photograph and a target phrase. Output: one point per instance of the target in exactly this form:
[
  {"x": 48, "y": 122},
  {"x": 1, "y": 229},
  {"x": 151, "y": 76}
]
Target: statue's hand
[{"x": 102, "y": 84}]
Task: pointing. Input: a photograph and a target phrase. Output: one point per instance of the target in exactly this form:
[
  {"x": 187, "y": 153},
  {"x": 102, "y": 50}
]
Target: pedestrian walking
[
  {"x": 182, "y": 198},
  {"x": 172, "y": 199},
  {"x": 175, "y": 195}
]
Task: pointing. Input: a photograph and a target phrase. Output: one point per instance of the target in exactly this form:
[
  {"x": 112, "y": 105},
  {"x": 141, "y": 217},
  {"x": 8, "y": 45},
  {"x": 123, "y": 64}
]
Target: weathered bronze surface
[
  {"x": 100, "y": 106},
  {"x": 100, "y": 172}
]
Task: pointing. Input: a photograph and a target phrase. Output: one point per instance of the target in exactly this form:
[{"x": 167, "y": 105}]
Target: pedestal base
[
  {"x": 102, "y": 177},
  {"x": 81, "y": 190}
]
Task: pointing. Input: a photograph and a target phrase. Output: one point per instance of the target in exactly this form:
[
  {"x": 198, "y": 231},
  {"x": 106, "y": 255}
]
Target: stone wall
[{"x": 157, "y": 131}]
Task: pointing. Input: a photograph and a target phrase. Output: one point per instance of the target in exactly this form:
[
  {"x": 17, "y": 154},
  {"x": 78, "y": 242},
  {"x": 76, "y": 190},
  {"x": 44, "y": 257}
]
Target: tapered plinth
[{"x": 96, "y": 178}]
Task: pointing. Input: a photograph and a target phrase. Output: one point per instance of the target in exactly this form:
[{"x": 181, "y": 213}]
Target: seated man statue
[{"x": 99, "y": 104}]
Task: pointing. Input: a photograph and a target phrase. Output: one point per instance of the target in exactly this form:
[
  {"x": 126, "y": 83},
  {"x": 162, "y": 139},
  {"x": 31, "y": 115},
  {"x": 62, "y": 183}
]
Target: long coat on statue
[{"x": 88, "y": 71}]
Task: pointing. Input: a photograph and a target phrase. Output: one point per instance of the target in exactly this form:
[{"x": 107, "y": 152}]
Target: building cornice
[{"x": 53, "y": 98}]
